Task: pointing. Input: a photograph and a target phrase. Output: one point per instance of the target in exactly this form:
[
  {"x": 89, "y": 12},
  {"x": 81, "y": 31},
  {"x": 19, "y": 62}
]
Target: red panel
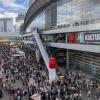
[
  {"x": 73, "y": 38},
  {"x": 52, "y": 63}
]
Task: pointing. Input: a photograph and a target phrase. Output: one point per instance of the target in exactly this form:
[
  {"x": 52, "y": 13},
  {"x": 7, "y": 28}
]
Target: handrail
[{"x": 52, "y": 72}]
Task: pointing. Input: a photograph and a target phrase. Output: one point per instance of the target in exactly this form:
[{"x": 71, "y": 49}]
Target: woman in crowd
[{"x": 70, "y": 87}]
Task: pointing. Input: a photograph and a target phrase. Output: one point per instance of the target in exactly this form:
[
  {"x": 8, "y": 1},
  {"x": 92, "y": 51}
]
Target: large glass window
[
  {"x": 78, "y": 12},
  {"x": 68, "y": 13},
  {"x": 38, "y": 22}
]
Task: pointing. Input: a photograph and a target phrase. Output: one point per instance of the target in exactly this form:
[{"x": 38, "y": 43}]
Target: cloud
[
  {"x": 11, "y": 8},
  {"x": 12, "y": 4},
  {"x": 2, "y": 10},
  {"x": 2, "y": 16},
  {"x": 8, "y": 15}
]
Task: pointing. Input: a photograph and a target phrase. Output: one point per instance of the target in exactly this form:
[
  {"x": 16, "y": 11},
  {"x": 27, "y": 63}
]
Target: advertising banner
[
  {"x": 73, "y": 37},
  {"x": 91, "y": 37},
  {"x": 84, "y": 38}
]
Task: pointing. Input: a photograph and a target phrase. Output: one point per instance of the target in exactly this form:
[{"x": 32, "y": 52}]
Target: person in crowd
[{"x": 31, "y": 75}]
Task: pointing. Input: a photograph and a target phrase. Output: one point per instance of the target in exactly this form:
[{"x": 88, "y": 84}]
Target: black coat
[{"x": 0, "y": 93}]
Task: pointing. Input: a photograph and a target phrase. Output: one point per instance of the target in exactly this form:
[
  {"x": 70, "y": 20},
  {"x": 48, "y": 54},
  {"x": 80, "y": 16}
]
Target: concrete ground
[
  {"x": 5, "y": 94},
  {"x": 84, "y": 97},
  {"x": 19, "y": 84}
]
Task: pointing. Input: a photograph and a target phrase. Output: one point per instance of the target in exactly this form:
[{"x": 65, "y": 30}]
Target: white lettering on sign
[{"x": 92, "y": 37}]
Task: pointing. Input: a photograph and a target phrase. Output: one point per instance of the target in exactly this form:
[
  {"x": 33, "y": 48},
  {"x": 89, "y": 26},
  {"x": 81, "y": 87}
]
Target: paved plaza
[{"x": 19, "y": 84}]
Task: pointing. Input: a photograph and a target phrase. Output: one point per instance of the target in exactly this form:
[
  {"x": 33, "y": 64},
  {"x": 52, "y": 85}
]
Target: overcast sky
[{"x": 11, "y": 8}]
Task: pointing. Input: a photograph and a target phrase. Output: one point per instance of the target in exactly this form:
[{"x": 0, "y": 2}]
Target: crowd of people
[{"x": 34, "y": 79}]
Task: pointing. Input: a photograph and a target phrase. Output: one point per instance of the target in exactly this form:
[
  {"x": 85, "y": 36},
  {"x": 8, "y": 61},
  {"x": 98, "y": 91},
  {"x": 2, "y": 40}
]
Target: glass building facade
[
  {"x": 72, "y": 13},
  {"x": 68, "y": 13},
  {"x": 86, "y": 61}
]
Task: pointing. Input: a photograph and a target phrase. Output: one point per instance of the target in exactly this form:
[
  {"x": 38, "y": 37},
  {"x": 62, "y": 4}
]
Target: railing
[
  {"x": 37, "y": 36},
  {"x": 73, "y": 24},
  {"x": 41, "y": 47}
]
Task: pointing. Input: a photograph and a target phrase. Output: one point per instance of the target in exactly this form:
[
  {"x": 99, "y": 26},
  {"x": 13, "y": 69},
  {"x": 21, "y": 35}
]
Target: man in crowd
[{"x": 70, "y": 87}]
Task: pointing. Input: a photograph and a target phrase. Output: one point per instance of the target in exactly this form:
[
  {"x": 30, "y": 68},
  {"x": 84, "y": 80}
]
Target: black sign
[{"x": 91, "y": 37}]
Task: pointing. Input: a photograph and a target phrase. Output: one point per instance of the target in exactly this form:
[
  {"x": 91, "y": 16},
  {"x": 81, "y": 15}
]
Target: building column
[
  {"x": 37, "y": 55},
  {"x": 67, "y": 59},
  {"x": 67, "y": 52}
]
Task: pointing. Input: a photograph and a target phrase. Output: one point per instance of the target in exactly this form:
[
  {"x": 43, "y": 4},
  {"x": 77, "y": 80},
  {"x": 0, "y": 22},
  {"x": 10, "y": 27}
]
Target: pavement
[
  {"x": 5, "y": 94},
  {"x": 19, "y": 84},
  {"x": 84, "y": 97}
]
